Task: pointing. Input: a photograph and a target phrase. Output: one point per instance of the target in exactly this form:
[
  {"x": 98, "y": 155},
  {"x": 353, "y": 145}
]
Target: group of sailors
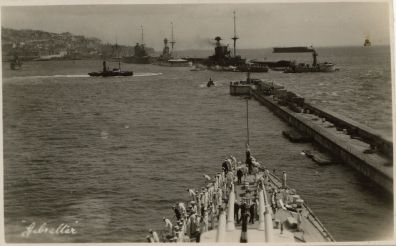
[{"x": 202, "y": 211}]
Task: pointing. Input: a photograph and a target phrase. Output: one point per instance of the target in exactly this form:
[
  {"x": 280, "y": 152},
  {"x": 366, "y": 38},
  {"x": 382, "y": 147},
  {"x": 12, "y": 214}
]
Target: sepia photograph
[{"x": 197, "y": 122}]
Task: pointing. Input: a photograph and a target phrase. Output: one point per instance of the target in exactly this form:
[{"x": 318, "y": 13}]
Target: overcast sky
[{"x": 259, "y": 25}]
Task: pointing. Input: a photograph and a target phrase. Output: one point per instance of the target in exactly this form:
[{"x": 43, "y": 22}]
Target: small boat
[
  {"x": 318, "y": 157},
  {"x": 15, "y": 63},
  {"x": 210, "y": 83},
  {"x": 367, "y": 43},
  {"x": 106, "y": 72}
]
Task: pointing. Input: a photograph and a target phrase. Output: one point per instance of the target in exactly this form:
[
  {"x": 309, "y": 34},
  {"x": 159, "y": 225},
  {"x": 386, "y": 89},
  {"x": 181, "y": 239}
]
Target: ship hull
[
  {"x": 111, "y": 73},
  {"x": 136, "y": 60}
]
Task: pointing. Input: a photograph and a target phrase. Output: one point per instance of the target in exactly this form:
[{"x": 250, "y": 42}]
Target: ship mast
[
  {"x": 235, "y": 36},
  {"x": 172, "y": 41},
  {"x": 141, "y": 26},
  {"x": 118, "y": 55}
]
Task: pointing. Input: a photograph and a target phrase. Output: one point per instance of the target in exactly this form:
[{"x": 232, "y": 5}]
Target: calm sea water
[{"x": 109, "y": 156}]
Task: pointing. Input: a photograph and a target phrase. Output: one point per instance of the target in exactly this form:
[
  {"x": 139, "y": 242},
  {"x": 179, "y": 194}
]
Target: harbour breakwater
[{"x": 363, "y": 148}]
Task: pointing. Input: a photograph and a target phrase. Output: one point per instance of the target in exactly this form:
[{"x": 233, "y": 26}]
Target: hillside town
[{"x": 41, "y": 45}]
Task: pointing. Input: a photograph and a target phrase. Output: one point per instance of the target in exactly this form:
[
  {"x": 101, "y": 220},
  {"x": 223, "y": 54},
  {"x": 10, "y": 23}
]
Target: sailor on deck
[
  {"x": 239, "y": 175},
  {"x": 154, "y": 235},
  {"x": 192, "y": 193},
  {"x": 168, "y": 225},
  {"x": 177, "y": 212},
  {"x": 182, "y": 208},
  {"x": 225, "y": 166}
]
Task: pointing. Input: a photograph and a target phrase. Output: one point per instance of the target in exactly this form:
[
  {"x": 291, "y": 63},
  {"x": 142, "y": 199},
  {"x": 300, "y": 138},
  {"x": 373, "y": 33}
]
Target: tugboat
[
  {"x": 106, "y": 72},
  {"x": 140, "y": 54}
]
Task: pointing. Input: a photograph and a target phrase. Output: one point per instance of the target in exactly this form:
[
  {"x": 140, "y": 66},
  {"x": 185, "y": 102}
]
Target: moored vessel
[
  {"x": 140, "y": 55},
  {"x": 167, "y": 57}
]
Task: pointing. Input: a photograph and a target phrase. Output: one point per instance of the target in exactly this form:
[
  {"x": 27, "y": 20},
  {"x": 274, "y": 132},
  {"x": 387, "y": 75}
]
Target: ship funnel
[
  {"x": 218, "y": 39},
  {"x": 284, "y": 186},
  {"x": 230, "y": 215},
  {"x": 221, "y": 229}
]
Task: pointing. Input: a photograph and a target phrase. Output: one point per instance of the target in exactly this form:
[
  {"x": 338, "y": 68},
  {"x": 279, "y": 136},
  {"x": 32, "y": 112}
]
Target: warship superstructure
[
  {"x": 140, "y": 55},
  {"x": 167, "y": 57}
]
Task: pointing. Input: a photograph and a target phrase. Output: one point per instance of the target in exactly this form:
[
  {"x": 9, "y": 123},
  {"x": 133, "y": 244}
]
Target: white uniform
[
  {"x": 155, "y": 237},
  {"x": 168, "y": 225}
]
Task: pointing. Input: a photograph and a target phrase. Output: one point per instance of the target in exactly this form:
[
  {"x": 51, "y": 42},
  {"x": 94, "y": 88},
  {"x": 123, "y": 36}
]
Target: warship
[
  {"x": 244, "y": 202},
  {"x": 295, "y": 67},
  {"x": 167, "y": 58},
  {"x": 140, "y": 55},
  {"x": 224, "y": 60}
]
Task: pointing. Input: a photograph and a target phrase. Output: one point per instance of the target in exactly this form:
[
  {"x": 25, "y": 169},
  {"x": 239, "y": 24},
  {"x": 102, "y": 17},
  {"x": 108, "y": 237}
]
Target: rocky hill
[{"x": 32, "y": 44}]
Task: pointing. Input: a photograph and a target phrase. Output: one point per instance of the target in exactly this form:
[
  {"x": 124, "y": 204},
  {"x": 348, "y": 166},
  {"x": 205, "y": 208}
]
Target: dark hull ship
[
  {"x": 303, "y": 67},
  {"x": 222, "y": 60},
  {"x": 106, "y": 72},
  {"x": 140, "y": 55}
]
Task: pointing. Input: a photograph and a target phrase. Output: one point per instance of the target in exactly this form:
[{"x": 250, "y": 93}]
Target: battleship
[
  {"x": 167, "y": 58},
  {"x": 225, "y": 60},
  {"x": 140, "y": 55},
  {"x": 245, "y": 202}
]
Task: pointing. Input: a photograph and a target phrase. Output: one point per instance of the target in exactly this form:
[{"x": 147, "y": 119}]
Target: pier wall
[
  {"x": 239, "y": 90},
  {"x": 381, "y": 143},
  {"x": 373, "y": 168}
]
